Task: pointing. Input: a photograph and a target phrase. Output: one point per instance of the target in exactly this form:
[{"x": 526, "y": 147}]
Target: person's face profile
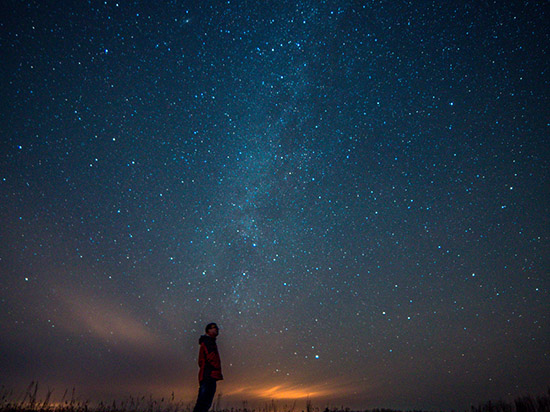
[{"x": 213, "y": 330}]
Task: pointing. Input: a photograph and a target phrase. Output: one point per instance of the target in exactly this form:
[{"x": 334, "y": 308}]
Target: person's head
[{"x": 212, "y": 330}]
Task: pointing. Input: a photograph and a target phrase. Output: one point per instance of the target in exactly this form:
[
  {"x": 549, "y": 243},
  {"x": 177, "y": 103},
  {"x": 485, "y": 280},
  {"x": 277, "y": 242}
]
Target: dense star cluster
[{"x": 355, "y": 191}]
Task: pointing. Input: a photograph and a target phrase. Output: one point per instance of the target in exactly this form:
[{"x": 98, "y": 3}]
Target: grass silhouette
[{"x": 29, "y": 402}]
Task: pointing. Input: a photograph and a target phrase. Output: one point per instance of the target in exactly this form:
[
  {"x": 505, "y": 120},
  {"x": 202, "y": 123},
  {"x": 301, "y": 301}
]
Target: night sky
[{"x": 355, "y": 191}]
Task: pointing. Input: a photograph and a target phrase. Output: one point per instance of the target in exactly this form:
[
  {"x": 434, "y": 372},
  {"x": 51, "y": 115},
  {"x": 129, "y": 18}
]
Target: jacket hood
[{"x": 206, "y": 338}]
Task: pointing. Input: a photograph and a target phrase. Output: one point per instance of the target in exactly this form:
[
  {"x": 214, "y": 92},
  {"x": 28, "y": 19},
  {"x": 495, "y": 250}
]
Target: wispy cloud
[{"x": 105, "y": 320}]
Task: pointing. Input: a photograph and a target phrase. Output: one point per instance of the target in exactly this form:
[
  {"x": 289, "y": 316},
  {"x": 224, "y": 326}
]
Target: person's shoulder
[{"x": 208, "y": 342}]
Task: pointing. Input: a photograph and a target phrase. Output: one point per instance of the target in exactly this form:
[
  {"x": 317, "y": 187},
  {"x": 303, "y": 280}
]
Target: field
[{"x": 29, "y": 402}]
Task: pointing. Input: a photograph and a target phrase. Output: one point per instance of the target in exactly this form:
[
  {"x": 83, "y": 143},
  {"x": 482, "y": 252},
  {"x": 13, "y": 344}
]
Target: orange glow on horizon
[
  {"x": 279, "y": 392},
  {"x": 286, "y": 392}
]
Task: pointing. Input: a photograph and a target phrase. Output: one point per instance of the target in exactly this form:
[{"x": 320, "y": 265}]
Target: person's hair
[{"x": 210, "y": 325}]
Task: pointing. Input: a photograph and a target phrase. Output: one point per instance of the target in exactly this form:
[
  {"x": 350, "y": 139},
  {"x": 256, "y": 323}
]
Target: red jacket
[{"x": 209, "y": 359}]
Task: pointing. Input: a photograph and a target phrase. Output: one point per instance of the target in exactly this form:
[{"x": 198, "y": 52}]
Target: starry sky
[{"x": 355, "y": 191}]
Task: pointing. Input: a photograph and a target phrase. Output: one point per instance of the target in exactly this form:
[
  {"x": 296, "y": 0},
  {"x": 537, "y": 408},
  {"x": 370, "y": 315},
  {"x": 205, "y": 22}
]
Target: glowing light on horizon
[{"x": 279, "y": 392}]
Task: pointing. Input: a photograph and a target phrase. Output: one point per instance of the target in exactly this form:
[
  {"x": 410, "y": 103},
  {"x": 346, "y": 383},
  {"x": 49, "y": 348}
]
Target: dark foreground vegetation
[{"x": 29, "y": 402}]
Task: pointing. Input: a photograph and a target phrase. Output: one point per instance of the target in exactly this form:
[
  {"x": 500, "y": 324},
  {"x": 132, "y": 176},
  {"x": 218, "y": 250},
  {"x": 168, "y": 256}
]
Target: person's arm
[{"x": 214, "y": 360}]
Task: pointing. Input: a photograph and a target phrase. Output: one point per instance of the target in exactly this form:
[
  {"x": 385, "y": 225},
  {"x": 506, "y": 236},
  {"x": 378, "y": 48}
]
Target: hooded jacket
[{"x": 209, "y": 359}]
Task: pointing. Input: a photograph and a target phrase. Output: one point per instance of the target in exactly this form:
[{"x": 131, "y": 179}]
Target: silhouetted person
[{"x": 210, "y": 368}]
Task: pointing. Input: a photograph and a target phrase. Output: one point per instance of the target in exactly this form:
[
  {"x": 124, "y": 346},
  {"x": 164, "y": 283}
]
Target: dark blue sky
[{"x": 357, "y": 192}]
